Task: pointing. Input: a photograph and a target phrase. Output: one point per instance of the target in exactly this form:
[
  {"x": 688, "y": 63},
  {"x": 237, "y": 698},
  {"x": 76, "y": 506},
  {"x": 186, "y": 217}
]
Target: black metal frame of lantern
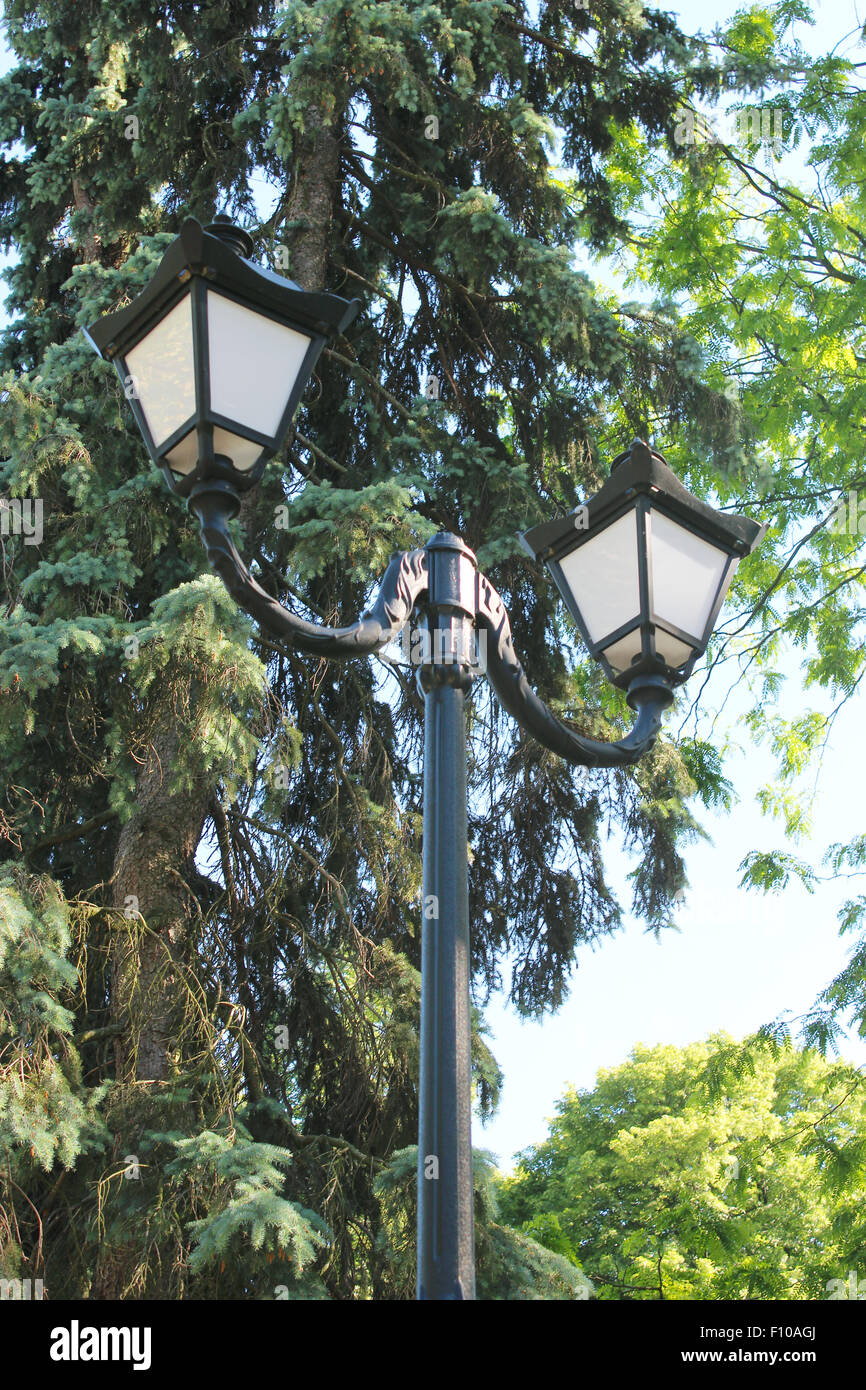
[
  {"x": 209, "y": 268},
  {"x": 644, "y": 492},
  {"x": 443, "y": 582}
]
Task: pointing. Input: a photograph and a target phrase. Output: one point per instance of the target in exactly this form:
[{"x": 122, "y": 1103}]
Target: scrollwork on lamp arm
[{"x": 403, "y": 583}]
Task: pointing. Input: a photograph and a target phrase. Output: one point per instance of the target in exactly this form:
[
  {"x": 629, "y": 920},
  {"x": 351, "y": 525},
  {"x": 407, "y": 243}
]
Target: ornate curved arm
[
  {"x": 505, "y": 673},
  {"x": 403, "y": 582},
  {"x": 406, "y": 579}
]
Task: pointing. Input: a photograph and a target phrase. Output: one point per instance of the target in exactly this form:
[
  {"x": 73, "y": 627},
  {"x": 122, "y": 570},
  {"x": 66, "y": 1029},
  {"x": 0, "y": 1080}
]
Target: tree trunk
[
  {"x": 310, "y": 202},
  {"x": 155, "y": 844},
  {"x": 310, "y": 205}
]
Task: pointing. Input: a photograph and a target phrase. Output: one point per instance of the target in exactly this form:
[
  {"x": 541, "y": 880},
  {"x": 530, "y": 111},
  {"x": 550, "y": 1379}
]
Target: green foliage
[
  {"x": 772, "y": 871},
  {"x": 714, "y": 1171},
  {"x": 47, "y": 1115},
  {"x": 193, "y": 649},
  {"x": 254, "y": 1211}
]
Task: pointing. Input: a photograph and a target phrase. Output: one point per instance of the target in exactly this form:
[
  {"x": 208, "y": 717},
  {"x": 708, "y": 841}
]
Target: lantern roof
[
  {"x": 641, "y": 471},
  {"x": 214, "y": 252}
]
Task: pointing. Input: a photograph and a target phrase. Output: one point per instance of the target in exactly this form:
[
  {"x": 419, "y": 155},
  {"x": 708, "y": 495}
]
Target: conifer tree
[{"x": 211, "y": 845}]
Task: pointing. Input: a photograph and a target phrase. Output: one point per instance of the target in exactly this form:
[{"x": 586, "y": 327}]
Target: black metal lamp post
[{"x": 220, "y": 351}]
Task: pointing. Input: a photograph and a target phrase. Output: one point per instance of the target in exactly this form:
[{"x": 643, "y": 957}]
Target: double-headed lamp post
[{"x": 214, "y": 356}]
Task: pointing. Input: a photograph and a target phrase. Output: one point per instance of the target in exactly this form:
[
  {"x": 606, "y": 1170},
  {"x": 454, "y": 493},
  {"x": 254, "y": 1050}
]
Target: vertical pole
[{"x": 446, "y": 1253}]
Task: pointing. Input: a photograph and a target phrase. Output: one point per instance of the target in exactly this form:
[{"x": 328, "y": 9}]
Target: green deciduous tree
[{"x": 686, "y": 1175}]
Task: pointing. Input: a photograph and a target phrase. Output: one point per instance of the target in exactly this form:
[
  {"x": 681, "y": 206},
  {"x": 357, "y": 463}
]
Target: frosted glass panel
[
  {"x": 603, "y": 577},
  {"x": 621, "y": 654},
  {"x": 242, "y": 452},
  {"x": 254, "y": 363},
  {"x": 670, "y": 649},
  {"x": 686, "y": 573},
  {"x": 184, "y": 456},
  {"x": 162, "y": 369}
]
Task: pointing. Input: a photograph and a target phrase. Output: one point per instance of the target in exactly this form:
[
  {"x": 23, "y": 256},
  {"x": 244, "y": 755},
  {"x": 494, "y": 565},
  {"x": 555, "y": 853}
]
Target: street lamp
[{"x": 219, "y": 369}]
